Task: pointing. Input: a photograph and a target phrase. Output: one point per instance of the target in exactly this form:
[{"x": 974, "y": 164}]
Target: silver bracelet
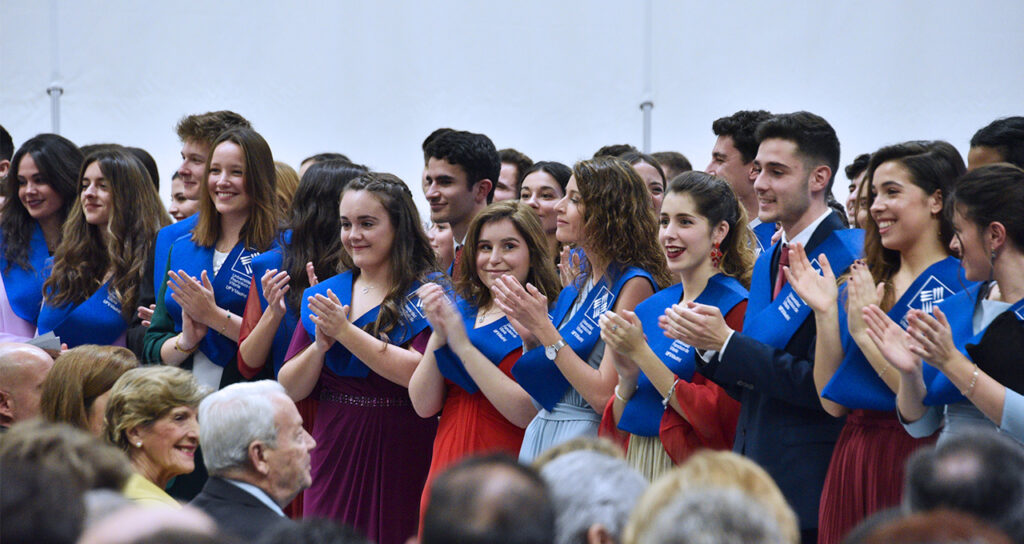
[{"x": 671, "y": 391}]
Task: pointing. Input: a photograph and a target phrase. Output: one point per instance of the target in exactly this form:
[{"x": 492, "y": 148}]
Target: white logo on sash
[
  {"x": 241, "y": 273},
  {"x": 675, "y": 349},
  {"x": 112, "y": 302},
  {"x": 243, "y": 264},
  {"x": 601, "y": 304},
  {"x": 931, "y": 293},
  {"x": 1018, "y": 314},
  {"x": 790, "y": 306},
  {"x": 412, "y": 310},
  {"x": 505, "y": 332}
]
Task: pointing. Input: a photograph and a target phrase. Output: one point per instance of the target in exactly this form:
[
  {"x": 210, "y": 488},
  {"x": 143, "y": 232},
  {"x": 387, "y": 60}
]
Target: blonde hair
[
  {"x": 287, "y": 182},
  {"x": 581, "y": 443},
  {"x": 144, "y": 395},
  {"x": 708, "y": 468}
]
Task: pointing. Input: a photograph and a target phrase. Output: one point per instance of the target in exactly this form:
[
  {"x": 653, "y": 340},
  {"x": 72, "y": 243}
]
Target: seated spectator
[
  {"x": 593, "y": 495},
  {"x": 580, "y": 443},
  {"x": 314, "y": 531},
  {"x": 723, "y": 469},
  {"x": 977, "y": 472},
  {"x": 22, "y": 370},
  {"x": 138, "y": 524},
  {"x": 672, "y": 162},
  {"x": 257, "y": 455},
  {"x": 78, "y": 386},
  {"x": 937, "y": 527},
  {"x": 714, "y": 516},
  {"x": 89, "y": 463},
  {"x": 151, "y": 416},
  {"x": 39, "y": 504},
  {"x": 489, "y": 500},
  {"x": 1001, "y": 140}
]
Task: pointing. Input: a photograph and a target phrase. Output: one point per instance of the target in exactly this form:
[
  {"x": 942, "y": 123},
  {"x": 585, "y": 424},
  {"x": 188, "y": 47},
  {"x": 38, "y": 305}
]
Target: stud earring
[{"x": 138, "y": 444}]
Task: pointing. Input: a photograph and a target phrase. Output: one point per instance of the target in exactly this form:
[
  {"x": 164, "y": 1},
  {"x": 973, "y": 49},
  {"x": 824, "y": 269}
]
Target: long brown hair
[
  {"x": 83, "y": 259},
  {"x": 261, "y": 226},
  {"x": 619, "y": 226},
  {"x": 78, "y": 377},
  {"x": 933, "y": 166},
  {"x": 717, "y": 202},
  {"x": 412, "y": 258},
  {"x": 542, "y": 270}
]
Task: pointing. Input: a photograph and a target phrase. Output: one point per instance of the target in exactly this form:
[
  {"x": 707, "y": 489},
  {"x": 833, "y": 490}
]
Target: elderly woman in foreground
[{"x": 151, "y": 416}]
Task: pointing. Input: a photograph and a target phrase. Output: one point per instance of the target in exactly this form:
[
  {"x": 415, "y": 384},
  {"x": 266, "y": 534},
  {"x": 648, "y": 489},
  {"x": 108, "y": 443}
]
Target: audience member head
[
  {"x": 23, "y": 369},
  {"x": 461, "y": 173},
  {"x": 241, "y": 185},
  {"x": 672, "y": 162},
  {"x": 543, "y": 185},
  {"x": 514, "y": 165},
  {"x": 143, "y": 525},
  {"x": 593, "y": 495},
  {"x": 181, "y": 207},
  {"x": 607, "y": 210},
  {"x": 78, "y": 386},
  {"x": 314, "y": 211},
  {"x": 151, "y": 415},
  {"x": 6, "y": 152},
  {"x": 733, "y": 155},
  {"x": 704, "y": 469},
  {"x": 394, "y": 238},
  {"x": 855, "y": 173},
  {"x": 987, "y": 206},
  {"x": 252, "y": 432},
  {"x": 109, "y": 234},
  {"x": 1001, "y": 140},
  {"x": 313, "y": 531},
  {"x": 980, "y": 473},
  {"x": 287, "y": 182},
  {"x": 320, "y": 157},
  {"x": 505, "y": 238},
  {"x": 489, "y": 499},
  {"x": 936, "y": 527},
  {"x": 908, "y": 184},
  {"x": 197, "y": 133},
  {"x": 701, "y": 213},
  {"x": 615, "y": 150},
  {"x": 652, "y": 174},
  {"x": 797, "y": 158},
  {"x": 147, "y": 162},
  {"x": 442, "y": 242},
  {"x": 41, "y": 187},
  {"x": 39, "y": 504},
  {"x": 90, "y": 463},
  {"x": 580, "y": 443},
  {"x": 714, "y": 516}
]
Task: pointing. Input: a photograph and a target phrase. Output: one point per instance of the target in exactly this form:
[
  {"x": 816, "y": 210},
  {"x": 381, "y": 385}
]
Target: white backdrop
[{"x": 555, "y": 79}]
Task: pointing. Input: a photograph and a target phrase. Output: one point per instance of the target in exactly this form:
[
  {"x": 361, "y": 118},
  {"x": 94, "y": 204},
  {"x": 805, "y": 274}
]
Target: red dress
[
  {"x": 866, "y": 471},
  {"x": 712, "y": 411},
  {"x": 470, "y": 425}
]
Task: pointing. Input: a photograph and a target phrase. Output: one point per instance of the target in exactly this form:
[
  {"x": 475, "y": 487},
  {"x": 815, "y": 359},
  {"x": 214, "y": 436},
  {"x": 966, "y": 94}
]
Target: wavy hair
[
  {"x": 261, "y": 226},
  {"x": 57, "y": 159},
  {"x": 717, "y": 202},
  {"x": 619, "y": 226},
  {"x": 412, "y": 258},
  {"x": 542, "y": 270},
  {"x": 143, "y": 395},
  {"x": 933, "y": 166},
  {"x": 314, "y": 214},
  {"x": 87, "y": 254}
]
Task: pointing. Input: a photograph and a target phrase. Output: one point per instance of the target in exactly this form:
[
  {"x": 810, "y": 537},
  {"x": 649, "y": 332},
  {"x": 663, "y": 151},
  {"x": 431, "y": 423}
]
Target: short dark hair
[
  {"x": 557, "y": 170},
  {"x": 147, "y": 161},
  {"x": 1006, "y": 136},
  {"x": 475, "y": 153},
  {"x": 858, "y": 166},
  {"x": 328, "y": 156},
  {"x": 463, "y": 509},
  {"x": 741, "y": 126},
  {"x": 40, "y": 504},
  {"x": 634, "y": 158},
  {"x": 521, "y": 162},
  {"x": 815, "y": 139},
  {"x": 430, "y": 138},
  {"x": 977, "y": 472},
  {"x": 994, "y": 192},
  {"x": 6, "y": 145},
  {"x": 205, "y": 127},
  {"x": 672, "y": 161},
  {"x": 615, "y": 150}
]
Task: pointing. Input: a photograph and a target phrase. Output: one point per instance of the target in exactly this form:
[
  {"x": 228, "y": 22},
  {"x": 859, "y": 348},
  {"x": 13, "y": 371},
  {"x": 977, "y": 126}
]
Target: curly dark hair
[{"x": 741, "y": 126}]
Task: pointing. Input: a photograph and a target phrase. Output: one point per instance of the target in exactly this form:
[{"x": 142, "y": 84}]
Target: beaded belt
[{"x": 365, "y": 402}]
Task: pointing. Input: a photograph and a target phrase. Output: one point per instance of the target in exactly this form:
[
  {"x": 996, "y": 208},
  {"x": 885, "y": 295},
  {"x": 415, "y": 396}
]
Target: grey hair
[
  {"x": 714, "y": 516},
  {"x": 233, "y": 418},
  {"x": 589, "y": 487}
]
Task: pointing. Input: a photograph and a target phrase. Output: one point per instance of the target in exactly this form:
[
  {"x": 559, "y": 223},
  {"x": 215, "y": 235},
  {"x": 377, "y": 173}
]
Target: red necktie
[
  {"x": 780, "y": 276},
  {"x": 458, "y": 261}
]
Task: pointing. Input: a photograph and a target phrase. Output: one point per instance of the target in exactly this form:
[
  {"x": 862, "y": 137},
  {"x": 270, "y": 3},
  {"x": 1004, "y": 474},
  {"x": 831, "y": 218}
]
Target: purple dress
[{"x": 372, "y": 453}]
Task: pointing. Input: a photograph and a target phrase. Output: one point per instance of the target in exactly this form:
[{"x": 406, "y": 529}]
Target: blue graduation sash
[
  {"x": 339, "y": 359},
  {"x": 959, "y": 312},
  {"x": 855, "y": 383},
  {"x": 271, "y": 260},
  {"x": 25, "y": 287},
  {"x": 97, "y": 320},
  {"x": 538, "y": 375},
  {"x": 642, "y": 414},
  {"x": 763, "y": 236},
  {"x": 165, "y": 238},
  {"x": 773, "y": 322},
  {"x": 230, "y": 289},
  {"x": 495, "y": 341}
]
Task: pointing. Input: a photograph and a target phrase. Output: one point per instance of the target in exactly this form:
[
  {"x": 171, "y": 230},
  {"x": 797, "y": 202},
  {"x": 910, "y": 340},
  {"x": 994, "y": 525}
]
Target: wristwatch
[{"x": 552, "y": 351}]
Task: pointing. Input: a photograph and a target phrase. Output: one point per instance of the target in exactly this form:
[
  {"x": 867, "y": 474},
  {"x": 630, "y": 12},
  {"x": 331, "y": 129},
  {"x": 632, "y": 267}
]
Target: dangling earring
[{"x": 716, "y": 255}]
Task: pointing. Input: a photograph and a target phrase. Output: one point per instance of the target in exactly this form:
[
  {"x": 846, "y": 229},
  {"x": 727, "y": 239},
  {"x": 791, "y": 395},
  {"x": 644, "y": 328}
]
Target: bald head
[{"x": 22, "y": 371}]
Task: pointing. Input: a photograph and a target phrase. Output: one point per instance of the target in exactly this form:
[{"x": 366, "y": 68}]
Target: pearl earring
[{"x": 138, "y": 444}]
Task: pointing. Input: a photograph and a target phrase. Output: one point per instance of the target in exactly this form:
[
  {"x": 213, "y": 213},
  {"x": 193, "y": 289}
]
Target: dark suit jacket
[
  {"x": 237, "y": 512},
  {"x": 782, "y": 425}
]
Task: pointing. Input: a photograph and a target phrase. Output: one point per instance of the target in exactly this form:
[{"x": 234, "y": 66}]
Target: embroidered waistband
[{"x": 365, "y": 402}]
